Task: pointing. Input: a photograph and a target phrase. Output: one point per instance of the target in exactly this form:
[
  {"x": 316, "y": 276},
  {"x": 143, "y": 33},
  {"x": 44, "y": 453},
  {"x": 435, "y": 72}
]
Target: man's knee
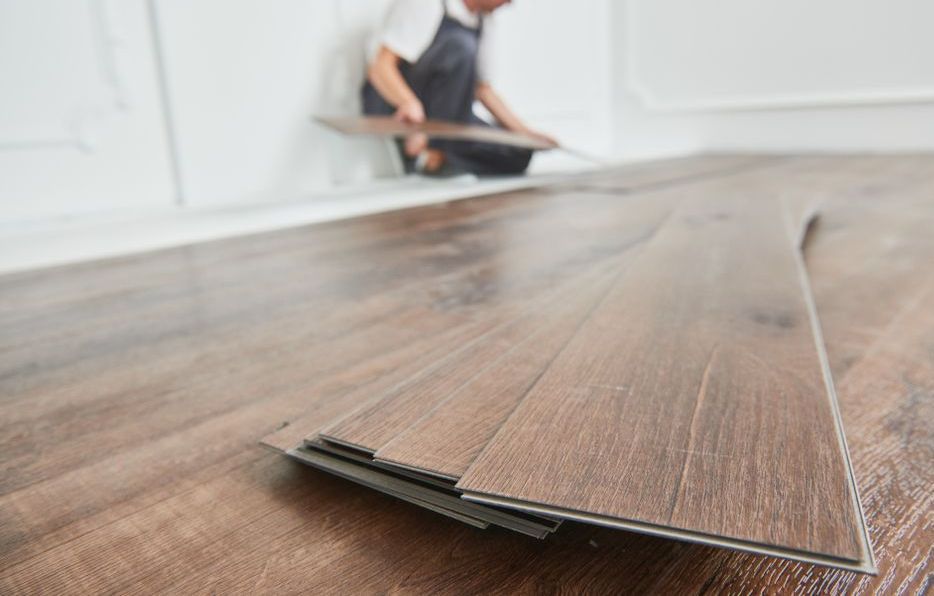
[
  {"x": 516, "y": 161},
  {"x": 485, "y": 159}
]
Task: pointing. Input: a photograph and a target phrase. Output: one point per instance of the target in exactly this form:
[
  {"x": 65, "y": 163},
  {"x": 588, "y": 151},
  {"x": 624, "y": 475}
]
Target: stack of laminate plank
[{"x": 674, "y": 384}]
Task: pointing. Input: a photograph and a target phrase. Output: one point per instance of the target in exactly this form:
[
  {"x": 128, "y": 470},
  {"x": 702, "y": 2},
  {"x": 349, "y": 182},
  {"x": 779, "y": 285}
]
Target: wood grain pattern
[
  {"x": 386, "y": 126},
  {"x": 704, "y": 406},
  {"x": 373, "y": 426},
  {"x": 445, "y": 441},
  {"x": 871, "y": 263},
  {"x": 381, "y": 420},
  {"x": 394, "y": 368},
  {"x": 630, "y": 222},
  {"x": 227, "y": 340}
]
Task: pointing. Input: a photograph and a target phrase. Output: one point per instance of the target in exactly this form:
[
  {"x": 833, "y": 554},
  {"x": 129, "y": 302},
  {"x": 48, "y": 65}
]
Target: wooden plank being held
[
  {"x": 386, "y": 126},
  {"x": 695, "y": 402}
]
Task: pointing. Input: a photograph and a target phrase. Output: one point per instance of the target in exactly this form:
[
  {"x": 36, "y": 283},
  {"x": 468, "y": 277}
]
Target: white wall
[
  {"x": 81, "y": 120},
  {"x": 243, "y": 78},
  {"x": 795, "y": 75},
  {"x": 554, "y": 64}
]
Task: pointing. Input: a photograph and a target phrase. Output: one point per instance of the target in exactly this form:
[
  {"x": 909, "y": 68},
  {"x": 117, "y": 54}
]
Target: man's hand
[
  {"x": 410, "y": 111},
  {"x": 385, "y": 76}
]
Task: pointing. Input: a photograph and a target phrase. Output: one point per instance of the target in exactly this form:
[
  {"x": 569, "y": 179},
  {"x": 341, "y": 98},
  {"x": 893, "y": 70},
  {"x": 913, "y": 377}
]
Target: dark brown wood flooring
[{"x": 134, "y": 392}]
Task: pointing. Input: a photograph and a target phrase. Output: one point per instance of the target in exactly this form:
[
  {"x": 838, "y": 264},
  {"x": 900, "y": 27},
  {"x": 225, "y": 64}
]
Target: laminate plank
[
  {"x": 385, "y": 483},
  {"x": 394, "y": 369},
  {"x": 386, "y": 126},
  {"x": 694, "y": 401},
  {"x": 374, "y": 425},
  {"x": 445, "y": 441},
  {"x": 886, "y": 397},
  {"x": 426, "y": 357},
  {"x": 417, "y": 489},
  {"x": 407, "y": 402},
  {"x": 871, "y": 263}
]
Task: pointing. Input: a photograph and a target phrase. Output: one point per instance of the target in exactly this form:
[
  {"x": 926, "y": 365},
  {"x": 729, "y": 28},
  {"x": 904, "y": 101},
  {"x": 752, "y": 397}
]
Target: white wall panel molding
[
  {"x": 735, "y": 55},
  {"x": 67, "y": 73}
]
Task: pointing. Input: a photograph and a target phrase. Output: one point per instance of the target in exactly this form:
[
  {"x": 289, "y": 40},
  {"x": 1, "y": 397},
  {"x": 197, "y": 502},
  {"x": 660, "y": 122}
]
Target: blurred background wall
[{"x": 150, "y": 106}]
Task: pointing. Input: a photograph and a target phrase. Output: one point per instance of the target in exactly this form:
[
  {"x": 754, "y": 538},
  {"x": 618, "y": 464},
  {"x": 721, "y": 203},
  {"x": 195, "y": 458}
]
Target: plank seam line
[
  {"x": 648, "y": 238},
  {"x": 533, "y": 312},
  {"x": 613, "y": 277}
]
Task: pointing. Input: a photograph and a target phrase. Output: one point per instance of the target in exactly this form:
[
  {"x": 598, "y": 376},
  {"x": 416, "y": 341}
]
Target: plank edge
[
  {"x": 867, "y": 567},
  {"x": 799, "y": 238}
]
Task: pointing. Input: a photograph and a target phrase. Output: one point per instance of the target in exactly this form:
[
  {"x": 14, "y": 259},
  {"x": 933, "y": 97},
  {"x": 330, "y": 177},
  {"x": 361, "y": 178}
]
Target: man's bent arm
[{"x": 385, "y": 76}]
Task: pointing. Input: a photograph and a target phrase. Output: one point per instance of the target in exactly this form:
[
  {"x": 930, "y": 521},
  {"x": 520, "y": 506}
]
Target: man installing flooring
[{"x": 431, "y": 60}]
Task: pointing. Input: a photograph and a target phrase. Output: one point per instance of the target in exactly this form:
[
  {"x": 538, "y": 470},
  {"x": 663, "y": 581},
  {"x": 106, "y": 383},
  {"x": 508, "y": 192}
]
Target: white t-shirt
[{"x": 411, "y": 25}]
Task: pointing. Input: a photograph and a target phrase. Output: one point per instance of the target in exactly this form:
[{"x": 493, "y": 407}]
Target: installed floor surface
[{"x": 133, "y": 393}]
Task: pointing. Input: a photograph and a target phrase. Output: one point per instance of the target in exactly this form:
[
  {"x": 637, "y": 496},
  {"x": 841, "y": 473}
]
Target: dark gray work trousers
[{"x": 444, "y": 79}]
